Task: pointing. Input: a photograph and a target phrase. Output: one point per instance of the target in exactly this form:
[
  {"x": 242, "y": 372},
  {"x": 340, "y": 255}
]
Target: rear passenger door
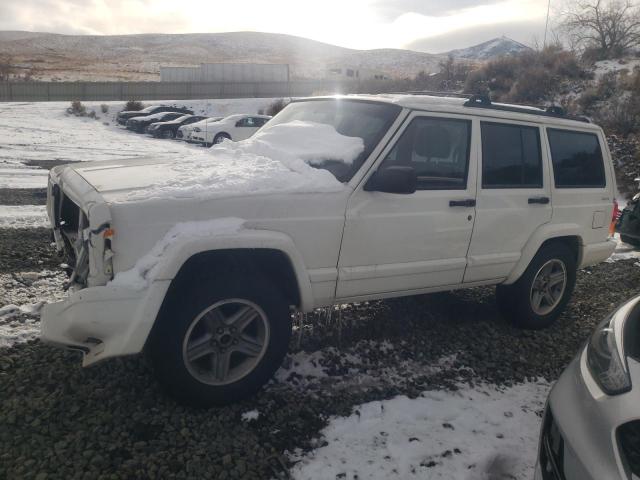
[
  {"x": 514, "y": 197},
  {"x": 245, "y": 128}
]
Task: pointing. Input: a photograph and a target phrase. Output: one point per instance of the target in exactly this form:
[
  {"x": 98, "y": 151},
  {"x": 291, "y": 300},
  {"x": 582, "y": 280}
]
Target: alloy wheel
[{"x": 226, "y": 341}]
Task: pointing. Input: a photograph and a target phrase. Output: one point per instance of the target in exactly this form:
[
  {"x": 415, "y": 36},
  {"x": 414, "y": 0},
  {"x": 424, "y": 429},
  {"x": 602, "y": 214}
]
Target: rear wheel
[
  {"x": 220, "y": 341},
  {"x": 221, "y": 137},
  {"x": 540, "y": 295},
  {"x": 168, "y": 134}
]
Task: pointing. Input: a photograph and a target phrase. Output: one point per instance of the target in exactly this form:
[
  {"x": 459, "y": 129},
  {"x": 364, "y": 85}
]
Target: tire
[
  {"x": 524, "y": 305},
  {"x": 181, "y": 327},
  {"x": 634, "y": 242},
  {"x": 219, "y": 138},
  {"x": 168, "y": 134}
]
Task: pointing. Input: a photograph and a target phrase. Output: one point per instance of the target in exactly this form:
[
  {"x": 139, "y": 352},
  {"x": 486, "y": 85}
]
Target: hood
[{"x": 118, "y": 177}]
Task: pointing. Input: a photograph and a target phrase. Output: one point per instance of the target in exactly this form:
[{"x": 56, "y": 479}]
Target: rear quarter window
[{"x": 577, "y": 159}]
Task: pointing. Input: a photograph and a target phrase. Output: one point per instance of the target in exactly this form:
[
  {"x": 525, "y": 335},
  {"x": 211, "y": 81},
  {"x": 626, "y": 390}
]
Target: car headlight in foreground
[{"x": 606, "y": 356}]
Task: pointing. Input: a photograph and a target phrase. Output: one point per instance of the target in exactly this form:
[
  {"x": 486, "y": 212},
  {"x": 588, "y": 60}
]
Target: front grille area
[
  {"x": 629, "y": 441},
  {"x": 551, "y": 450}
]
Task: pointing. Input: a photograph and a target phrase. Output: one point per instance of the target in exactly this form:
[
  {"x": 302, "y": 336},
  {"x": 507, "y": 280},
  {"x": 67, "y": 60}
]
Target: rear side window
[
  {"x": 510, "y": 156},
  {"x": 437, "y": 149},
  {"x": 577, "y": 159}
]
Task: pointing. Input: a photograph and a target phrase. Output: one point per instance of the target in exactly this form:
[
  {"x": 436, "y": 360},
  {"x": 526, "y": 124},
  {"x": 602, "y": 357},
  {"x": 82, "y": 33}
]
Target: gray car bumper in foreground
[{"x": 578, "y": 436}]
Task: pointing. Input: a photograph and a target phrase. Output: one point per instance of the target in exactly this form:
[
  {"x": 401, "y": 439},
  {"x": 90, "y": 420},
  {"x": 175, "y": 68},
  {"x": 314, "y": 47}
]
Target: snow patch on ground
[
  {"x": 603, "y": 67},
  {"x": 138, "y": 277},
  {"x": 24, "y": 296},
  {"x": 276, "y": 159},
  {"x": 250, "y": 416},
  {"x": 20, "y": 216},
  {"x": 42, "y": 132},
  {"x": 473, "y": 433}
]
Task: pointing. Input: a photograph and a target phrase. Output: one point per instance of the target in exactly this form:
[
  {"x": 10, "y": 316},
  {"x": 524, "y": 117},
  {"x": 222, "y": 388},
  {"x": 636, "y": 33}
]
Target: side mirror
[{"x": 395, "y": 179}]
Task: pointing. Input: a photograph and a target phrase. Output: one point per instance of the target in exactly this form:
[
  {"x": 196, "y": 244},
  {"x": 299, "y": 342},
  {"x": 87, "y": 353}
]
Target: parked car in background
[
  {"x": 139, "y": 124},
  {"x": 628, "y": 225},
  {"x": 591, "y": 427},
  {"x": 442, "y": 194},
  {"x": 185, "y": 132},
  {"x": 169, "y": 128},
  {"x": 233, "y": 127},
  {"x": 125, "y": 115}
]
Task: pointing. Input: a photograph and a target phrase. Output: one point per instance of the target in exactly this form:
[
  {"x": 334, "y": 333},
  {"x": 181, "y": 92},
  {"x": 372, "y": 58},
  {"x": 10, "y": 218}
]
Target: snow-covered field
[{"x": 41, "y": 132}]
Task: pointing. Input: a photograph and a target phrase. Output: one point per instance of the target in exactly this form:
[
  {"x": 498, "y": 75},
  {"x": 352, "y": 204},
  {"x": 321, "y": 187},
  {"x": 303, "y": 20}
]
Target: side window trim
[
  {"x": 425, "y": 115},
  {"x": 540, "y": 161}
]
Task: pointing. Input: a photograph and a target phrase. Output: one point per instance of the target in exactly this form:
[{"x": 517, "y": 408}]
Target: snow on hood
[
  {"x": 138, "y": 277},
  {"x": 277, "y": 159}
]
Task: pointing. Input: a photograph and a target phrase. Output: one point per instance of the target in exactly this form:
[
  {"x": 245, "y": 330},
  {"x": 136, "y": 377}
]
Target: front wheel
[
  {"x": 540, "y": 295},
  {"x": 220, "y": 341}
]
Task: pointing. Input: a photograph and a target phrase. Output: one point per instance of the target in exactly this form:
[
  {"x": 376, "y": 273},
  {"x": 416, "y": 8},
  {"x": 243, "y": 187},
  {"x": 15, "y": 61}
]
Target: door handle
[
  {"x": 539, "y": 200},
  {"x": 469, "y": 202}
]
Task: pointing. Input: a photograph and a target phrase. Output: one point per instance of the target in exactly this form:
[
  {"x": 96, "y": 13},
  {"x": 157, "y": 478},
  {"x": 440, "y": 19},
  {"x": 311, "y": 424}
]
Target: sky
[{"x": 425, "y": 25}]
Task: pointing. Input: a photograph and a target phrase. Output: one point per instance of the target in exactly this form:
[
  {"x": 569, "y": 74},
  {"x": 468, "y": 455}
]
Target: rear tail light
[{"x": 614, "y": 217}]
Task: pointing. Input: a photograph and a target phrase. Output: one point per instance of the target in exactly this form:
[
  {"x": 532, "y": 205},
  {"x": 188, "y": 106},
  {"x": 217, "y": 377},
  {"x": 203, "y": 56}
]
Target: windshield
[{"x": 353, "y": 118}]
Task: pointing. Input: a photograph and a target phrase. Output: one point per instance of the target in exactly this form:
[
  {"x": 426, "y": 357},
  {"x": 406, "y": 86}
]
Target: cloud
[
  {"x": 391, "y": 10},
  {"x": 92, "y": 16}
]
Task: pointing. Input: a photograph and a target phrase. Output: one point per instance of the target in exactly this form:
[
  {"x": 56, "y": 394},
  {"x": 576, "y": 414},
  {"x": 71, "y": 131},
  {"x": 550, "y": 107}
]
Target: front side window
[
  {"x": 352, "y": 118},
  {"x": 437, "y": 149},
  {"x": 577, "y": 159},
  {"x": 510, "y": 156}
]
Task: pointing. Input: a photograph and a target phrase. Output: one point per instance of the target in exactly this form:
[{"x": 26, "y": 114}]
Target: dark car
[
  {"x": 169, "y": 129},
  {"x": 125, "y": 115},
  {"x": 628, "y": 225},
  {"x": 139, "y": 124}
]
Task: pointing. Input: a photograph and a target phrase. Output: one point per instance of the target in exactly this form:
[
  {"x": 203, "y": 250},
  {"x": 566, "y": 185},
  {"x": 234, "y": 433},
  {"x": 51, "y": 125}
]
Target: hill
[
  {"x": 138, "y": 57},
  {"x": 497, "y": 47}
]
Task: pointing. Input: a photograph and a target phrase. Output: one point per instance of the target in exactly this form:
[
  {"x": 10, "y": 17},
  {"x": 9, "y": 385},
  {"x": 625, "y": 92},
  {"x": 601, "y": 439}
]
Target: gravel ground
[
  {"x": 23, "y": 196},
  {"x": 113, "y": 422}
]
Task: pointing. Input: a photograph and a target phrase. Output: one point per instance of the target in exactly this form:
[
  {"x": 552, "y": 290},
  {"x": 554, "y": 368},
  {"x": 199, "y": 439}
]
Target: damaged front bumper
[{"x": 103, "y": 322}]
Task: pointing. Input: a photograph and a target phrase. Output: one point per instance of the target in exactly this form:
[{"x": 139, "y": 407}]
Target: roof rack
[
  {"x": 435, "y": 94},
  {"x": 483, "y": 101}
]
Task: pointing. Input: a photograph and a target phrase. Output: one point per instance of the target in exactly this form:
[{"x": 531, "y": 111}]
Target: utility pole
[{"x": 546, "y": 25}]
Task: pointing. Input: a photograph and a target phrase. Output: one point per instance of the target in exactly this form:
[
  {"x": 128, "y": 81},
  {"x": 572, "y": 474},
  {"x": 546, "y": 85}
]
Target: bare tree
[{"x": 607, "y": 27}]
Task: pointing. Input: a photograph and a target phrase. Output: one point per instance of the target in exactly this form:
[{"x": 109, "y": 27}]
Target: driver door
[{"x": 414, "y": 242}]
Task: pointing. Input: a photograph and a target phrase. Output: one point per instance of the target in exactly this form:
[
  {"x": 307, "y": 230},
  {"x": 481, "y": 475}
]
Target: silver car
[{"x": 591, "y": 426}]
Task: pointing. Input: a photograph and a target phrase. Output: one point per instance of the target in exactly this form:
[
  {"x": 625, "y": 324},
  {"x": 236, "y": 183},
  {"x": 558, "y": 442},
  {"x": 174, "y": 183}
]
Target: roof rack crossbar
[
  {"x": 483, "y": 101},
  {"x": 433, "y": 93}
]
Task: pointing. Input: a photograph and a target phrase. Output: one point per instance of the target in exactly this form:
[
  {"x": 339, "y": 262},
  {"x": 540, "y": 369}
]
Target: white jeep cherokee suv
[{"x": 444, "y": 193}]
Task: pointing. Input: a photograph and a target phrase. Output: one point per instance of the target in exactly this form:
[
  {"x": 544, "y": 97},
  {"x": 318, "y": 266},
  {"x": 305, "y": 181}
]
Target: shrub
[
  {"x": 104, "y": 108},
  {"x": 530, "y": 76},
  {"x": 77, "y": 109},
  {"x": 133, "y": 105},
  {"x": 621, "y": 116},
  {"x": 275, "y": 107}
]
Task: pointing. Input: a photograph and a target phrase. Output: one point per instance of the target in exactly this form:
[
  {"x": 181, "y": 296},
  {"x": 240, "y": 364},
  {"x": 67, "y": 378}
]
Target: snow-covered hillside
[
  {"x": 494, "y": 48},
  {"x": 138, "y": 57}
]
